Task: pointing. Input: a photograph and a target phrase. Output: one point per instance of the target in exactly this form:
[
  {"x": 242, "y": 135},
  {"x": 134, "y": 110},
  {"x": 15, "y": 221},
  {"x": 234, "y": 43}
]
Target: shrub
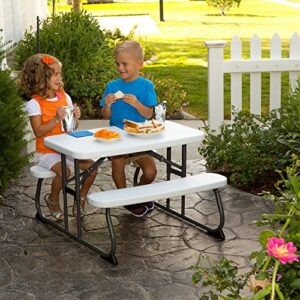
[
  {"x": 85, "y": 51},
  {"x": 251, "y": 148},
  {"x": 78, "y": 42},
  {"x": 168, "y": 90},
  {"x": 247, "y": 150},
  {"x": 12, "y": 129},
  {"x": 275, "y": 270},
  {"x": 223, "y": 5}
]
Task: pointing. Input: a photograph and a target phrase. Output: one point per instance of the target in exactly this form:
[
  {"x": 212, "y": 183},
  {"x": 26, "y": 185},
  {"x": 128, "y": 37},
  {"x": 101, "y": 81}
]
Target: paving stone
[
  {"x": 151, "y": 279},
  {"x": 236, "y": 247},
  {"x": 206, "y": 207},
  {"x": 152, "y": 247},
  {"x": 94, "y": 222},
  {"x": 24, "y": 264},
  {"x": 169, "y": 261},
  {"x": 190, "y": 201},
  {"x": 126, "y": 290},
  {"x": 184, "y": 277},
  {"x": 155, "y": 253},
  {"x": 16, "y": 295},
  {"x": 166, "y": 219},
  {"x": 3, "y": 235},
  {"x": 49, "y": 285},
  {"x": 6, "y": 274},
  {"x": 163, "y": 231},
  {"x": 175, "y": 292}
]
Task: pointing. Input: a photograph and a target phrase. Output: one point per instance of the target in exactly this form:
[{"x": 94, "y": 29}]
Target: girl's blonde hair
[
  {"x": 132, "y": 46},
  {"x": 35, "y": 74}
]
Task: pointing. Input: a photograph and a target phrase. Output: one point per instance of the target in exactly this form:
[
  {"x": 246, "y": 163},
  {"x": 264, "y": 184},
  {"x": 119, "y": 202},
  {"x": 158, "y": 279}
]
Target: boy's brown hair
[
  {"x": 35, "y": 74},
  {"x": 132, "y": 46}
]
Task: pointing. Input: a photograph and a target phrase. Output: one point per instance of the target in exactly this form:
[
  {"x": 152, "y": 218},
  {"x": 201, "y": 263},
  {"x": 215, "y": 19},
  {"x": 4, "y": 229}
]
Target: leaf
[
  {"x": 278, "y": 291},
  {"x": 296, "y": 284},
  {"x": 297, "y": 205},
  {"x": 262, "y": 293},
  {"x": 204, "y": 297},
  {"x": 263, "y": 238},
  {"x": 261, "y": 276},
  {"x": 261, "y": 257},
  {"x": 295, "y": 184}
]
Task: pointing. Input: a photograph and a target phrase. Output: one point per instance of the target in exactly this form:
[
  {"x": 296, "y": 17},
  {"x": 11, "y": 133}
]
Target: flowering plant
[
  {"x": 48, "y": 60},
  {"x": 276, "y": 270}
]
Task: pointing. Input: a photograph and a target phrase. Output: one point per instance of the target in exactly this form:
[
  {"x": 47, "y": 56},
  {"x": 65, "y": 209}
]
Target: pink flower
[{"x": 284, "y": 252}]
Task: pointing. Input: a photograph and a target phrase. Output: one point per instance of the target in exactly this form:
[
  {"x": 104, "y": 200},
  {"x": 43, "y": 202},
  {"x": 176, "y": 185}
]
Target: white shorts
[{"x": 48, "y": 160}]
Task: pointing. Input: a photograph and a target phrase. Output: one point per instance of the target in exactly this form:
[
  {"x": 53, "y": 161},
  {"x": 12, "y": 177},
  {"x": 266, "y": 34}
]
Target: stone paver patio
[{"x": 155, "y": 253}]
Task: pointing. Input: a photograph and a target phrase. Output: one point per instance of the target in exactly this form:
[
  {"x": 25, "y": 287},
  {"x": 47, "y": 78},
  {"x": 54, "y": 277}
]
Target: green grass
[{"x": 180, "y": 43}]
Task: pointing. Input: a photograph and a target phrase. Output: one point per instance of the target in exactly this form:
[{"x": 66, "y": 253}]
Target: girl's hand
[
  {"x": 131, "y": 99},
  {"x": 110, "y": 99},
  {"x": 60, "y": 114},
  {"x": 77, "y": 112}
]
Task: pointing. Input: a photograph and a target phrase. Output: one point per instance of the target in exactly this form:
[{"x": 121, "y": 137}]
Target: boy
[{"x": 130, "y": 97}]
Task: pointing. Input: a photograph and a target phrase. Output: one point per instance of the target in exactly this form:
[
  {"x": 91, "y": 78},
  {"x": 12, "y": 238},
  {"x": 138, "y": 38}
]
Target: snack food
[
  {"x": 119, "y": 95},
  {"x": 148, "y": 127},
  {"x": 107, "y": 134}
]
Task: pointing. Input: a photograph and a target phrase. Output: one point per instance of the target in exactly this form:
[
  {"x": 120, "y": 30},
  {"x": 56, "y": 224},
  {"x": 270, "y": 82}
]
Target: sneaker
[
  {"x": 138, "y": 210},
  {"x": 150, "y": 205}
]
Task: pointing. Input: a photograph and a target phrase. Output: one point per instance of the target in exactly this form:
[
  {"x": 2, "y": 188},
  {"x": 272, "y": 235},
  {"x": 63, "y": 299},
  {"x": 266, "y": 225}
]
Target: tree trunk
[
  {"x": 223, "y": 11},
  {"x": 76, "y": 5}
]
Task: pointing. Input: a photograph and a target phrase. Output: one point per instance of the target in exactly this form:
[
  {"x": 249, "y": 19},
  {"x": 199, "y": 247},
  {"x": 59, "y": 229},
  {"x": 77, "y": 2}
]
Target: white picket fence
[{"x": 255, "y": 65}]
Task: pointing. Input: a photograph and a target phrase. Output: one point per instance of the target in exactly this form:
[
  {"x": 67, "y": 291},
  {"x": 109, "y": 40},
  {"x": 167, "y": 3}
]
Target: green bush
[
  {"x": 271, "y": 274},
  {"x": 12, "y": 129},
  {"x": 85, "y": 51},
  {"x": 251, "y": 148},
  {"x": 83, "y": 48},
  {"x": 168, "y": 90}
]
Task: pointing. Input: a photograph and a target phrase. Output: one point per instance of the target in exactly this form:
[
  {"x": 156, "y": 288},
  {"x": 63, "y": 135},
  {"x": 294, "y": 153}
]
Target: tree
[
  {"x": 76, "y": 5},
  {"x": 12, "y": 128},
  {"x": 223, "y": 5}
]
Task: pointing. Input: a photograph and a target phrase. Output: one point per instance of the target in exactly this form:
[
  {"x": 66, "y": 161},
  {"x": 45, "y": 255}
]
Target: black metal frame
[{"x": 80, "y": 177}]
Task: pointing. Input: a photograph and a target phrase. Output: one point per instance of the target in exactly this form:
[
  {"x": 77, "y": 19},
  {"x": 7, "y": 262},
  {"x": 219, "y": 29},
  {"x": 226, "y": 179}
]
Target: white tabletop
[{"x": 88, "y": 147}]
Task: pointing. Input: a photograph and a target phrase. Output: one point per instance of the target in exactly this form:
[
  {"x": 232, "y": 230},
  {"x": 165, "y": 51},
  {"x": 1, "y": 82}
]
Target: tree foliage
[
  {"x": 223, "y": 5},
  {"x": 12, "y": 128}
]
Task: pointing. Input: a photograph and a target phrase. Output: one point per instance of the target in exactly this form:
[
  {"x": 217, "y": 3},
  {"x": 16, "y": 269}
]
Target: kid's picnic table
[{"x": 89, "y": 148}]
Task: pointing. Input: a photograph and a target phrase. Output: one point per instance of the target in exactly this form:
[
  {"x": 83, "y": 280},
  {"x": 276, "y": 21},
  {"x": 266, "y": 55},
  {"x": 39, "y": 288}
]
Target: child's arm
[
  {"x": 77, "y": 114},
  {"x": 106, "y": 109},
  {"x": 143, "y": 110},
  {"x": 40, "y": 129}
]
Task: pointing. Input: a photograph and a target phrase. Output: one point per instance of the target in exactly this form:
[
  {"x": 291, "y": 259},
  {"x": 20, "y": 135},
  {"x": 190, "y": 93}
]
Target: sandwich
[
  {"x": 119, "y": 95},
  {"x": 146, "y": 127}
]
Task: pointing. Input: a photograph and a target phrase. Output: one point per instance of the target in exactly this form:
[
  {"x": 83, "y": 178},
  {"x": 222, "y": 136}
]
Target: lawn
[{"x": 180, "y": 43}]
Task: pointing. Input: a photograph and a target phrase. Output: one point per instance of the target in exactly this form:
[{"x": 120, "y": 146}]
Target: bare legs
[
  {"x": 57, "y": 185},
  {"x": 145, "y": 162}
]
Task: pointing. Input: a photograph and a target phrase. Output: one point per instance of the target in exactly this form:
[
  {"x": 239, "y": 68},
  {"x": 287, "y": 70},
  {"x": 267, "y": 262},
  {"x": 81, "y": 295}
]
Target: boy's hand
[
  {"x": 77, "y": 112},
  {"x": 110, "y": 99},
  {"x": 131, "y": 99}
]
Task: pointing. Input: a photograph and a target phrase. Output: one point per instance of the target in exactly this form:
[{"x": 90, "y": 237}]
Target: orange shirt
[{"x": 48, "y": 112}]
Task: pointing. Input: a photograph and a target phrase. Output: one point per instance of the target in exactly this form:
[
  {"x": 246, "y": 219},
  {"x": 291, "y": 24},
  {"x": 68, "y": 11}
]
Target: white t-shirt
[{"x": 33, "y": 107}]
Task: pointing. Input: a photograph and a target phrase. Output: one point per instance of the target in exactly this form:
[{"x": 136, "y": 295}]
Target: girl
[{"x": 41, "y": 79}]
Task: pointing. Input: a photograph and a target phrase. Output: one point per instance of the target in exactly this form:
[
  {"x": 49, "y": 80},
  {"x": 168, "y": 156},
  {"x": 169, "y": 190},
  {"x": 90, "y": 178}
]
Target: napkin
[{"x": 79, "y": 134}]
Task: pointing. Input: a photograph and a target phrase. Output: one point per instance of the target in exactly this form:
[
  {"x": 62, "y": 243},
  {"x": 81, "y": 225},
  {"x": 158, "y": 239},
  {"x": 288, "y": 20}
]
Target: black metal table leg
[{"x": 64, "y": 191}]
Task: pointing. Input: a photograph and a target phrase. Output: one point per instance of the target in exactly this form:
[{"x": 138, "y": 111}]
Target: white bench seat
[
  {"x": 157, "y": 191},
  {"x": 41, "y": 172}
]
